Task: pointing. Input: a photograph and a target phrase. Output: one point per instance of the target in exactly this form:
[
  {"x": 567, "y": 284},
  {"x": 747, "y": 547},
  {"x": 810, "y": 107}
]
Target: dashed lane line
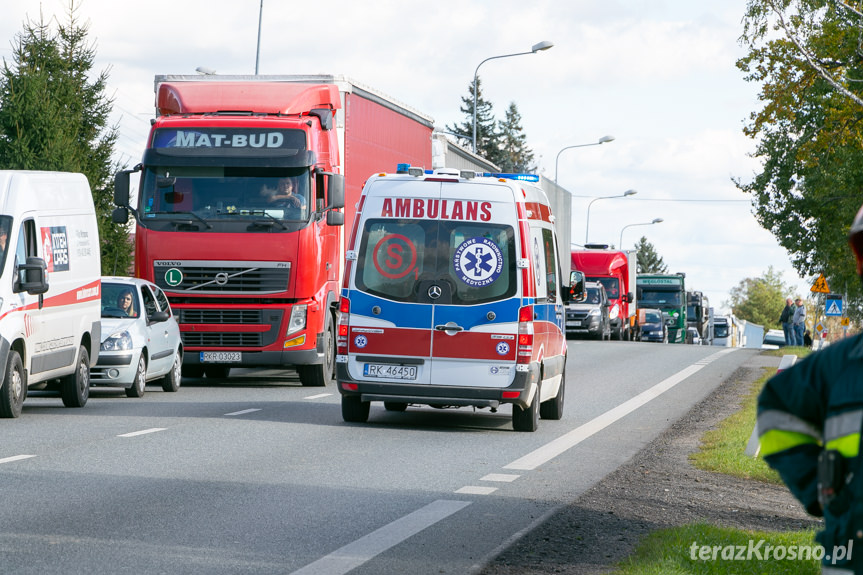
[
  {"x": 15, "y": 458},
  {"x": 243, "y": 412},
  {"x": 142, "y": 432}
]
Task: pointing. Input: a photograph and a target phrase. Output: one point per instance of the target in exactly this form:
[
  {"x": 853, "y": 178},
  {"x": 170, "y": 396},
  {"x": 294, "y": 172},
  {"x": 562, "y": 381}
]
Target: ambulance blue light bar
[{"x": 518, "y": 177}]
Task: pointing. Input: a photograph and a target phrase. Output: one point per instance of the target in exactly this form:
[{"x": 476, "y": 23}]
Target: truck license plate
[
  {"x": 221, "y": 356},
  {"x": 390, "y": 371}
]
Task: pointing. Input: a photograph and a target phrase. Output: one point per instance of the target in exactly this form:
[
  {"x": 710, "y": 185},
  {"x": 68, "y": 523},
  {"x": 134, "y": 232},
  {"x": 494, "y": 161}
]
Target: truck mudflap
[{"x": 524, "y": 384}]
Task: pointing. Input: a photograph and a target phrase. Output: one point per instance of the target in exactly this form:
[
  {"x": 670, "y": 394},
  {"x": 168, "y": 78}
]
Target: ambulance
[
  {"x": 453, "y": 297},
  {"x": 50, "y": 284}
]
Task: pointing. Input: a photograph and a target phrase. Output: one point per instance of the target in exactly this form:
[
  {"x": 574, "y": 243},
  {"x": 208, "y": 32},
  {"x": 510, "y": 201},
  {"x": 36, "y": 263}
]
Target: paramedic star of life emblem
[{"x": 478, "y": 262}]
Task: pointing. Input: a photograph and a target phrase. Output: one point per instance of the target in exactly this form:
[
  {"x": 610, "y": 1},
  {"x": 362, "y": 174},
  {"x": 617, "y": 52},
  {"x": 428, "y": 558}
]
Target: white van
[
  {"x": 452, "y": 297},
  {"x": 50, "y": 284}
]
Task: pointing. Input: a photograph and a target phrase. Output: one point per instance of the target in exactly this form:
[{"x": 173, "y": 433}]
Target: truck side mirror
[
  {"x": 335, "y": 218},
  {"x": 32, "y": 277},
  {"x": 576, "y": 286},
  {"x": 630, "y": 297},
  {"x": 120, "y": 215},
  {"x": 336, "y": 191},
  {"x": 121, "y": 188}
]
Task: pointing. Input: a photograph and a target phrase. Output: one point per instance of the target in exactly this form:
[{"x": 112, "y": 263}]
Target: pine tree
[
  {"x": 53, "y": 117},
  {"x": 515, "y": 155},
  {"x": 487, "y": 138},
  {"x": 649, "y": 262}
]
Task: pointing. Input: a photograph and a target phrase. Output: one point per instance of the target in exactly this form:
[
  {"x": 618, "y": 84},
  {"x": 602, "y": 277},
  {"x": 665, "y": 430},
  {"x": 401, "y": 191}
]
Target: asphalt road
[{"x": 256, "y": 474}]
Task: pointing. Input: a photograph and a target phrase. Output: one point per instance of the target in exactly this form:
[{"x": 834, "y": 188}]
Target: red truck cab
[{"x": 616, "y": 271}]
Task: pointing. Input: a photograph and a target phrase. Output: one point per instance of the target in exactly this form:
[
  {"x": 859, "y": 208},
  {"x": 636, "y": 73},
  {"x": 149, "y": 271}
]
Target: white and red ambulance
[{"x": 452, "y": 297}]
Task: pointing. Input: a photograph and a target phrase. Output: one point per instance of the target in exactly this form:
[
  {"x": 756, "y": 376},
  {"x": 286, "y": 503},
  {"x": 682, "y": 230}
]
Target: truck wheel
[
  {"x": 526, "y": 419},
  {"x": 323, "y": 374},
  {"x": 75, "y": 388},
  {"x": 217, "y": 371},
  {"x": 140, "y": 383},
  {"x": 354, "y": 410},
  {"x": 14, "y": 387},
  {"x": 172, "y": 379},
  {"x": 553, "y": 408}
]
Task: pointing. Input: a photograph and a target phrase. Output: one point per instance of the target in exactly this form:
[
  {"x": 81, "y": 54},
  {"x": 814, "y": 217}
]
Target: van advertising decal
[
  {"x": 478, "y": 262},
  {"x": 55, "y": 246},
  {"x": 434, "y": 209}
]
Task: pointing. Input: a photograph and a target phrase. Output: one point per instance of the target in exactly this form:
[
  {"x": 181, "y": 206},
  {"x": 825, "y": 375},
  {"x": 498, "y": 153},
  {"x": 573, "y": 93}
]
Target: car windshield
[
  {"x": 653, "y": 317},
  {"x": 593, "y": 296},
  {"x": 120, "y": 300}
]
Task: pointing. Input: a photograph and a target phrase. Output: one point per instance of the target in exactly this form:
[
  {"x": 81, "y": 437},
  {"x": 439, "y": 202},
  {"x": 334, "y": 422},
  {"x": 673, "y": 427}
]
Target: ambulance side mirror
[{"x": 577, "y": 292}]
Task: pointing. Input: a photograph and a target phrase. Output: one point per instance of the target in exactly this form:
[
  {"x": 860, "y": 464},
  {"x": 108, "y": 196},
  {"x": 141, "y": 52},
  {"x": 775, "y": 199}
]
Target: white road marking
[
  {"x": 143, "y": 432},
  {"x": 476, "y": 490},
  {"x": 554, "y": 448},
  {"x": 318, "y": 396},
  {"x": 366, "y": 548},
  {"x": 243, "y": 412},
  {"x": 501, "y": 477},
  {"x": 15, "y": 458}
]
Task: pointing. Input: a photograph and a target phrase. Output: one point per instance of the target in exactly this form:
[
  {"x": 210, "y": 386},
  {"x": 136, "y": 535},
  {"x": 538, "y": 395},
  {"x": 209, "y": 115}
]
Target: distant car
[
  {"x": 692, "y": 336},
  {"x": 774, "y": 337},
  {"x": 591, "y": 316},
  {"x": 653, "y": 326},
  {"x": 140, "y": 338}
]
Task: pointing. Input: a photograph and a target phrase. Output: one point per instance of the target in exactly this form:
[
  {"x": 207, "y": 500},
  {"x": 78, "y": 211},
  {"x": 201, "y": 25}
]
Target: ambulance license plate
[
  {"x": 221, "y": 356},
  {"x": 390, "y": 371}
]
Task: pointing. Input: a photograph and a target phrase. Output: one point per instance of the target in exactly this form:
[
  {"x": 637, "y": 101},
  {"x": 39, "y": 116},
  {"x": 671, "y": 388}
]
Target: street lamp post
[
  {"x": 587, "y": 225},
  {"x": 602, "y": 140},
  {"x": 258, "y": 53},
  {"x": 655, "y": 221},
  {"x": 544, "y": 45}
]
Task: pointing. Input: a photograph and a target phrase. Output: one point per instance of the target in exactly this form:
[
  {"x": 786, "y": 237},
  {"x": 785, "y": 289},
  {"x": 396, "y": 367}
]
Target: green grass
[{"x": 670, "y": 552}]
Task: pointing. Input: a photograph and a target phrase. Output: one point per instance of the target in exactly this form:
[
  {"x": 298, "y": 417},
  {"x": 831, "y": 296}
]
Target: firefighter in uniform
[{"x": 809, "y": 424}]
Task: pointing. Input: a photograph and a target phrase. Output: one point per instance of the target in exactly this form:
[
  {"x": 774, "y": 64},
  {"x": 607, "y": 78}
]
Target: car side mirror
[
  {"x": 577, "y": 293},
  {"x": 158, "y": 317}
]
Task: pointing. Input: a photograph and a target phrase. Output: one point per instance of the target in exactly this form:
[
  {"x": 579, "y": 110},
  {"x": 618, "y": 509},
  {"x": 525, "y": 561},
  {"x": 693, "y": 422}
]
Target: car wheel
[
  {"x": 75, "y": 388},
  {"x": 354, "y": 410},
  {"x": 14, "y": 387},
  {"x": 553, "y": 408},
  {"x": 395, "y": 406},
  {"x": 171, "y": 381},
  {"x": 323, "y": 374},
  {"x": 217, "y": 371},
  {"x": 526, "y": 419},
  {"x": 140, "y": 383}
]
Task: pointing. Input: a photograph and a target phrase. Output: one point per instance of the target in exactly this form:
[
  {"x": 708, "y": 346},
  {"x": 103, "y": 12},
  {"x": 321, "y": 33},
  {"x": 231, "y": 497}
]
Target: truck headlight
[
  {"x": 117, "y": 342},
  {"x": 298, "y": 319}
]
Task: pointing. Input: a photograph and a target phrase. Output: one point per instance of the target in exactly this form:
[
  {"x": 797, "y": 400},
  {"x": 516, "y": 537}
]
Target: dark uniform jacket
[{"x": 817, "y": 405}]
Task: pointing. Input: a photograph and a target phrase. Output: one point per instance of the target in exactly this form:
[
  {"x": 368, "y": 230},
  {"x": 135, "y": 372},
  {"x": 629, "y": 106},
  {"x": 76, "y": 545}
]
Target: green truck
[{"x": 666, "y": 292}]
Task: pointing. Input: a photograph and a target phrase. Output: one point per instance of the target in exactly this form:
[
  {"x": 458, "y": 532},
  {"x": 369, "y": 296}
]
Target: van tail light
[
  {"x": 524, "y": 349},
  {"x": 344, "y": 323}
]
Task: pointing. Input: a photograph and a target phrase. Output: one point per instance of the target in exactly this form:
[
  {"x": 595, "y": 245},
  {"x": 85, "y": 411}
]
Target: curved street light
[
  {"x": 602, "y": 140},
  {"x": 655, "y": 221},
  {"x": 544, "y": 45},
  {"x": 587, "y": 225}
]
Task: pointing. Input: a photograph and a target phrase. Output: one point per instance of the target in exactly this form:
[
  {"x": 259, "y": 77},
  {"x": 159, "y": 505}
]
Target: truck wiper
[
  {"x": 272, "y": 220},
  {"x": 193, "y": 214}
]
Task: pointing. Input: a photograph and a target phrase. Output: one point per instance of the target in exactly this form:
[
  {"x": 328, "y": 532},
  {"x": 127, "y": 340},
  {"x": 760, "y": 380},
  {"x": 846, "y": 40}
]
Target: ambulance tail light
[
  {"x": 524, "y": 346},
  {"x": 344, "y": 323}
]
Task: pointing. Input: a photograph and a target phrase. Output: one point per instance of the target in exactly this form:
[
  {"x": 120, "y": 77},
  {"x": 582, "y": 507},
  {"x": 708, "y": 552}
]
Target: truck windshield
[
  {"x": 660, "y": 298},
  {"x": 720, "y": 330},
  {"x": 611, "y": 285},
  {"x": 225, "y": 193}
]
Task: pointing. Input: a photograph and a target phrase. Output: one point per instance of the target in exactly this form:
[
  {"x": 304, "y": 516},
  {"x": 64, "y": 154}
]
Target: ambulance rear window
[{"x": 473, "y": 262}]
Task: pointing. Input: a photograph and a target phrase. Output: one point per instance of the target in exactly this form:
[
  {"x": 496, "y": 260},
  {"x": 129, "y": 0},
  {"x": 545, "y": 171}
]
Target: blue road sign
[{"x": 833, "y": 307}]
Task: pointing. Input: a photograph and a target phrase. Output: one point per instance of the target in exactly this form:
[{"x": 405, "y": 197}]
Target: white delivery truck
[
  {"x": 50, "y": 284},
  {"x": 453, "y": 296}
]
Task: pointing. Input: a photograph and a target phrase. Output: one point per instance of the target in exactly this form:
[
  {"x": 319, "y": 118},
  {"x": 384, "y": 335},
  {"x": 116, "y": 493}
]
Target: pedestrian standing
[
  {"x": 785, "y": 320},
  {"x": 809, "y": 424},
  {"x": 799, "y": 321}
]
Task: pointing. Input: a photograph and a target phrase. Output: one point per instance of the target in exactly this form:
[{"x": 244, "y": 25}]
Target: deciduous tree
[{"x": 760, "y": 300}]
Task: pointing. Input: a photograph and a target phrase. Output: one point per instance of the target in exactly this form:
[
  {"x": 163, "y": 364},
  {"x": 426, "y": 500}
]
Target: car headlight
[
  {"x": 298, "y": 319},
  {"x": 594, "y": 313},
  {"x": 117, "y": 342}
]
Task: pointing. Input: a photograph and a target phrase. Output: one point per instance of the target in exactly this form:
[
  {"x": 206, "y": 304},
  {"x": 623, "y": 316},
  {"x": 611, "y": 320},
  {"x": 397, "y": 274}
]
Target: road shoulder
[{"x": 657, "y": 488}]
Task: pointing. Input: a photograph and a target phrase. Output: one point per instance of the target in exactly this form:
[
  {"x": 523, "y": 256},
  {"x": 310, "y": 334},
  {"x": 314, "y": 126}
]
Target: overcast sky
[{"x": 659, "y": 76}]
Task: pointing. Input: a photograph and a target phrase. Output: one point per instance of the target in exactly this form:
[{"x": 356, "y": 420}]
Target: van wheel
[
  {"x": 75, "y": 388},
  {"x": 323, "y": 374},
  {"x": 14, "y": 387},
  {"x": 171, "y": 381},
  {"x": 526, "y": 419},
  {"x": 217, "y": 371},
  {"x": 140, "y": 383},
  {"x": 395, "y": 406},
  {"x": 553, "y": 408},
  {"x": 354, "y": 410}
]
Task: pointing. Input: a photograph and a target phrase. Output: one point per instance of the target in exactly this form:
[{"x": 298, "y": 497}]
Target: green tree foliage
[
  {"x": 648, "y": 261},
  {"x": 515, "y": 154},
  {"x": 806, "y": 57},
  {"x": 54, "y": 116},
  {"x": 760, "y": 300}
]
